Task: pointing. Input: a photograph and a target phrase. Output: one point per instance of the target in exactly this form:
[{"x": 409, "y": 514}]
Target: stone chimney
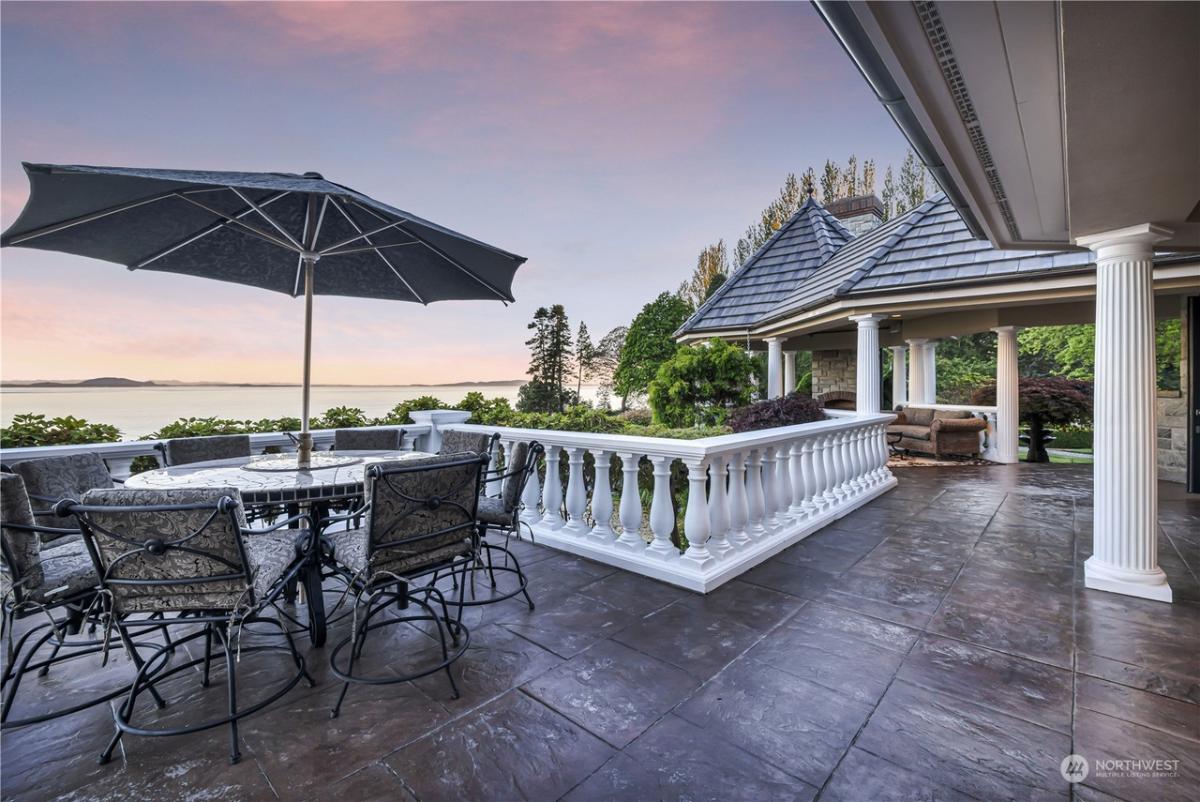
[{"x": 860, "y": 214}]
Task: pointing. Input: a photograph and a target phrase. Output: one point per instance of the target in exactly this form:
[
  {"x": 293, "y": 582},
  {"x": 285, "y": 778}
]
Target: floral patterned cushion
[
  {"x": 270, "y": 554},
  {"x": 210, "y": 540},
  {"x": 350, "y": 549},
  {"x": 515, "y": 460},
  {"x": 67, "y": 571},
  {"x": 186, "y": 450},
  {"x": 24, "y": 547},
  {"x": 493, "y": 511},
  {"x": 458, "y": 442},
  {"x": 367, "y": 439},
  {"x": 50, "y": 479}
]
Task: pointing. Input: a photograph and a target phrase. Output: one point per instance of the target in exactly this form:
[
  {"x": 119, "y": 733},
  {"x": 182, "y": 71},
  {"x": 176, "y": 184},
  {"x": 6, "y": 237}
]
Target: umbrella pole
[{"x": 305, "y": 448}]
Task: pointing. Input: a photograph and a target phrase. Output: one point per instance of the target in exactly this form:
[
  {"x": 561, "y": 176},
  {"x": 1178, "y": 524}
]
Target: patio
[{"x": 936, "y": 643}]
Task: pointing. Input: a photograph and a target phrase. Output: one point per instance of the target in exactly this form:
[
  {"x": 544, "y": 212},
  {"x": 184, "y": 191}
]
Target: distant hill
[{"x": 103, "y": 381}]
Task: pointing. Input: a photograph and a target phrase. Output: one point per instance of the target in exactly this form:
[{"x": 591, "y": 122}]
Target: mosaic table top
[{"x": 272, "y": 486}]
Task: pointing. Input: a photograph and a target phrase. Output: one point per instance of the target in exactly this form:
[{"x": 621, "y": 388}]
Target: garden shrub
[
  {"x": 28, "y": 430},
  {"x": 700, "y": 385},
  {"x": 786, "y": 411}
]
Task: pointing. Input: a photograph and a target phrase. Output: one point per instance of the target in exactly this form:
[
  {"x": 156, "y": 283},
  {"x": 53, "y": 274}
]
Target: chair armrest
[
  {"x": 958, "y": 424},
  {"x": 350, "y": 516},
  {"x": 278, "y": 525}
]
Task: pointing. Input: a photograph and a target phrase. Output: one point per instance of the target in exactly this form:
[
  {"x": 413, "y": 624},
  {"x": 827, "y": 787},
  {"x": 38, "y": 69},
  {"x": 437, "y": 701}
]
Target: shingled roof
[
  {"x": 807, "y": 240},
  {"x": 927, "y": 245}
]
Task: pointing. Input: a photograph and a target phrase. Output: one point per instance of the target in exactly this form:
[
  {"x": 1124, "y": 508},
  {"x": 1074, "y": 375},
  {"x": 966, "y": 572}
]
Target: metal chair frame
[
  {"x": 216, "y": 622},
  {"x": 386, "y": 590}
]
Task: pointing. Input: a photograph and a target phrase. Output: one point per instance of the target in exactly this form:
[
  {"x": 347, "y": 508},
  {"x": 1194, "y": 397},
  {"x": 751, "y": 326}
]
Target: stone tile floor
[{"x": 936, "y": 644}]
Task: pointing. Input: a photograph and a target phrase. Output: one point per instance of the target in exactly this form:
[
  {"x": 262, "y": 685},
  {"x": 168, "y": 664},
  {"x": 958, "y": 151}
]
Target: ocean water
[{"x": 137, "y": 411}]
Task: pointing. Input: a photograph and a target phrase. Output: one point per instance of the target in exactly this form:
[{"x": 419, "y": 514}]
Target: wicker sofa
[{"x": 937, "y": 432}]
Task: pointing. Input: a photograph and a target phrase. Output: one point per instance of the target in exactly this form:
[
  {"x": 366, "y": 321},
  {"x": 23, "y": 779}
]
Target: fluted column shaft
[
  {"x": 899, "y": 375},
  {"x": 1125, "y": 536},
  {"x": 789, "y": 372},
  {"x": 916, "y": 371},
  {"x": 774, "y": 367},
  {"x": 1007, "y": 395},
  {"x": 930, "y": 353},
  {"x": 866, "y": 385}
]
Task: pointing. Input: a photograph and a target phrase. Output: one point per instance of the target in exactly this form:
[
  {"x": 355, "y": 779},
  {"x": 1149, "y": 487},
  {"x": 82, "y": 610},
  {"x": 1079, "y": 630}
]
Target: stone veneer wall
[
  {"x": 1173, "y": 421},
  {"x": 833, "y": 370}
]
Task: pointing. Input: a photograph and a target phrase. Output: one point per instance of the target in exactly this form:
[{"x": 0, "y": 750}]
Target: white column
[
  {"x": 631, "y": 504},
  {"x": 1125, "y": 522},
  {"x": 1007, "y": 397},
  {"x": 916, "y": 370},
  {"x": 899, "y": 375},
  {"x": 774, "y": 367},
  {"x": 602, "y": 499},
  {"x": 930, "y": 353},
  {"x": 867, "y": 364},
  {"x": 789, "y": 372}
]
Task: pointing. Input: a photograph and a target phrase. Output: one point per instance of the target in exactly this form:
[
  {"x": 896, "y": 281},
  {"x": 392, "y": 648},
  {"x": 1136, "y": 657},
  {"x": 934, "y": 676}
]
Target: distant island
[{"x": 117, "y": 381}]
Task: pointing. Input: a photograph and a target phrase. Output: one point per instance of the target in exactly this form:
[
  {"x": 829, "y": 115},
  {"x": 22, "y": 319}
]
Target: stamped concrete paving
[{"x": 937, "y": 644}]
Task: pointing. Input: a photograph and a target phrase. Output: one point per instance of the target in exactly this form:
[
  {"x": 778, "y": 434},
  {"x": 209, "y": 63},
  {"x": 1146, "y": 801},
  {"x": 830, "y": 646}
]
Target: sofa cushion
[
  {"x": 951, "y": 414},
  {"x": 918, "y": 417},
  {"x": 911, "y": 432}
]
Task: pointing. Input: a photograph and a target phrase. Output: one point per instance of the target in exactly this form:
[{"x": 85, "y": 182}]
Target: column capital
[
  {"x": 896, "y": 348},
  {"x": 865, "y": 321},
  {"x": 774, "y": 340},
  {"x": 1141, "y": 235},
  {"x": 917, "y": 341},
  {"x": 789, "y": 353},
  {"x": 1006, "y": 329}
]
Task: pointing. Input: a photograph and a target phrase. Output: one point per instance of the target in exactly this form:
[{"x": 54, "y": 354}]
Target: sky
[{"x": 608, "y": 143}]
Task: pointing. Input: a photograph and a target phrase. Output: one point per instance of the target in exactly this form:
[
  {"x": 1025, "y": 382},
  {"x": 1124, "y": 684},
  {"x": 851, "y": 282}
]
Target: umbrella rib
[
  {"x": 348, "y": 251},
  {"x": 361, "y": 235},
  {"x": 89, "y": 217},
  {"x": 378, "y": 252},
  {"x": 203, "y": 233},
  {"x": 443, "y": 254},
  {"x": 267, "y": 217},
  {"x": 239, "y": 223}
]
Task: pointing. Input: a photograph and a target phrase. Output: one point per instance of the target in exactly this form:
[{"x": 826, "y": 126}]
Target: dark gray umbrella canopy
[
  {"x": 250, "y": 228},
  {"x": 278, "y": 231}
]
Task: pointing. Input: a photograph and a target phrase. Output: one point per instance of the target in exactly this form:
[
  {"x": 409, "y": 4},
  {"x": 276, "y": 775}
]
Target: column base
[{"x": 1143, "y": 584}]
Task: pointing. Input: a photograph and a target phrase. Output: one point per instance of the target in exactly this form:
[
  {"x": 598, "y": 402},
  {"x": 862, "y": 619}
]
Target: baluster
[
  {"x": 552, "y": 495},
  {"x": 739, "y": 513},
  {"x": 770, "y": 503},
  {"x": 718, "y": 510},
  {"x": 828, "y": 473},
  {"x": 756, "y": 500},
  {"x": 854, "y": 463},
  {"x": 809, "y": 494},
  {"x": 602, "y": 500},
  {"x": 796, "y": 510},
  {"x": 495, "y": 485},
  {"x": 631, "y": 504},
  {"x": 783, "y": 482},
  {"x": 662, "y": 513},
  {"x": 120, "y": 467},
  {"x": 881, "y": 448},
  {"x": 695, "y": 519},
  {"x": 530, "y": 496},
  {"x": 838, "y": 446},
  {"x": 870, "y": 477},
  {"x": 576, "y": 492}
]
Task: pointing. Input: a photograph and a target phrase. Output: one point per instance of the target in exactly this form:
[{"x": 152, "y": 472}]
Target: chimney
[{"x": 860, "y": 214}]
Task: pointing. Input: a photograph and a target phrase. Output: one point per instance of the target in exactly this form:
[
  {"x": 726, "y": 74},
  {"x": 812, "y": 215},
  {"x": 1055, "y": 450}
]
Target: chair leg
[
  {"x": 11, "y": 693},
  {"x": 360, "y": 635},
  {"x": 235, "y": 753},
  {"x": 207, "y": 654},
  {"x": 138, "y": 662},
  {"x": 45, "y": 669}
]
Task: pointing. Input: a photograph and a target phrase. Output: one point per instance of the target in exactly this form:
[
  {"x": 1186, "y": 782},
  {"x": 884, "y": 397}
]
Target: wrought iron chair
[
  {"x": 186, "y": 450},
  {"x": 188, "y": 553},
  {"x": 419, "y": 520},
  {"x": 503, "y": 513},
  {"x": 51, "y": 479},
  {"x": 368, "y": 439},
  {"x": 55, "y": 580},
  {"x": 477, "y": 443}
]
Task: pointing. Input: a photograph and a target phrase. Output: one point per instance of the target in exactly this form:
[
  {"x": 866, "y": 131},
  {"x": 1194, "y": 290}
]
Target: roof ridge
[
  {"x": 917, "y": 214},
  {"x": 809, "y": 204}
]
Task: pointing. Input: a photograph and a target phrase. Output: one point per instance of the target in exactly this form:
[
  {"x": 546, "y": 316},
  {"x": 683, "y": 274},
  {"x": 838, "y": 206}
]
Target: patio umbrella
[{"x": 295, "y": 234}]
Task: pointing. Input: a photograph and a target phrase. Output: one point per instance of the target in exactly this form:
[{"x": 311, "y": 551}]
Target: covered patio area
[{"x": 937, "y": 643}]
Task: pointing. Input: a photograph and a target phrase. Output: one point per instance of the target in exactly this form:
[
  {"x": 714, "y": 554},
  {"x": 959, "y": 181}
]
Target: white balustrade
[{"x": 749, "y": 495}]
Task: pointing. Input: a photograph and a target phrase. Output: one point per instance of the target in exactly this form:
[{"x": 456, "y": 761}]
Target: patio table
[{"x": 267, "y": 479}]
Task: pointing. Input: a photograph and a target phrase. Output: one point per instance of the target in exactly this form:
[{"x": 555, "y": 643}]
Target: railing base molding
[{"x": 685, "y": 573}]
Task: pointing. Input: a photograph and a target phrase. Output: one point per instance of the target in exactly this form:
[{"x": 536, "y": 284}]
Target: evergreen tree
[
  {"x": 649, "y": 344},
  {"x": 912, "y": 183},
  {"x": 888, "y": 195},
  {"x": 791, "y": 197},
  {"x": 549, "y": 362},
  {"x": 585, "y": 356},
  {"x": 559, "y": 354}
]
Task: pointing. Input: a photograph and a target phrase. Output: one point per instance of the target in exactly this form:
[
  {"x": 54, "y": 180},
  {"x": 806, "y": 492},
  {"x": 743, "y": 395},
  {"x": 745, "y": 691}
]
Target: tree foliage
[
  {"x": 649, "y": 344},
  {"x": 550, "y": 362},
  {"x": 1050, "y": 399},
  {"x": 712, "y": 267},
  {"x": 29, "y": 430},
  {"x": 699, "y": 385}
]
